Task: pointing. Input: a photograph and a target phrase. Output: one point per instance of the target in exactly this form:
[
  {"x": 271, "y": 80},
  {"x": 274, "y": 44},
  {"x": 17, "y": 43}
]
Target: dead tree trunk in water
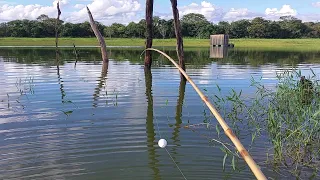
[
  {"x": 56, "y": 27},
  {"x": 57, "y": 38},
  {"x": 177, "y": 28},
  {"x": 63, "y": 94},
  {"x": 149, "y": 31},
  {"x": 97, "y": 33},
  {"x": 57, "y": 35}
]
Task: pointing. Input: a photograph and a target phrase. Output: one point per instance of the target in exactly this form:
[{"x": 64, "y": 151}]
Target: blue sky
[{"x": 124, "y": 11}]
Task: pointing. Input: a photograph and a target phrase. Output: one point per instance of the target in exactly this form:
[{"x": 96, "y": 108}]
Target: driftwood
[
  {"x": 149, "y": 31},
  {"x": 97, "y": 33},
  {"x": 177, "y": 28}
]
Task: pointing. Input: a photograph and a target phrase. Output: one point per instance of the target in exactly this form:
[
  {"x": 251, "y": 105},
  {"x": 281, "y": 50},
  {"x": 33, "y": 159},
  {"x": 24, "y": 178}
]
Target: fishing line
[
  {"x": 228, "y": 131},
  {"x": 158, "y": 127},
  {"x": 175, "y": 164},
  {"x": 164, "y": 147}
]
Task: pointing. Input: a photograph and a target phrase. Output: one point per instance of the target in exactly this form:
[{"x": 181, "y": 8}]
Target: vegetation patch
[
  {"x": 265, "y": 44},
  {"x": 289, "y": 115}
]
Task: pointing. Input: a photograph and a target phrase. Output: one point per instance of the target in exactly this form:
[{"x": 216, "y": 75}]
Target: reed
[{"x": 288, "y": 113}]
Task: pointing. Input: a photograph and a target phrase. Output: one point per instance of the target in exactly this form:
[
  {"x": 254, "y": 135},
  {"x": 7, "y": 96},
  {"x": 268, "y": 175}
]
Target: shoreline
[{"x": 267, "y": 44}]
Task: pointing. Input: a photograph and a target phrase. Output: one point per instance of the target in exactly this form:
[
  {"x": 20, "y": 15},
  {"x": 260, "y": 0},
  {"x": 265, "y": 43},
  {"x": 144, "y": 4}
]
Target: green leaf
[
  {"x": 233, "y": 163},
  {"x": 253, "y": 136},
  {"x": 66, "y": 101},
  {"x": 217, "y": 97},
  {"x": 219, "y": 89},
  {"x": 224, "y": 161},
  {"x": 223, "y": 150},
  {"x": 217, "y": 129},
  {"x": 67, "y": 112},
  {"x": 316, "y": 114}
]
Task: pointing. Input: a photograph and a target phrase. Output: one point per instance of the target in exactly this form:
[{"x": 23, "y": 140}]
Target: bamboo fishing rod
[{"x": 227, "y": 130}]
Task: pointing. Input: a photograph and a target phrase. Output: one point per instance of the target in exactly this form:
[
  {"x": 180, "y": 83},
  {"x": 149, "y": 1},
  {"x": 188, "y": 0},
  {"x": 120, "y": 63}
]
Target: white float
[{"x": 162, "y": 143}]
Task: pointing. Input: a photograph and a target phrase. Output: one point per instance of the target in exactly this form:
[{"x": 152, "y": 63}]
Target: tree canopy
[{"x": 193, "y": 25}]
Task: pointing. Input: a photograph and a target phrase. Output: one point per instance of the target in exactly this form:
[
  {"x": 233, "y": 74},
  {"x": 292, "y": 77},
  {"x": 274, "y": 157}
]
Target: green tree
[
  {"x": 193, "y": 25},
  {"x": 193, "y": 18},
  {"x": 108, "y": 31},
  {"x": 3, "y": 30},
  {"x": 19, "y": 28},
  {"x": 118, "y": 29},
  {"x": 293, "y": 26},
  {"x": 163, "y": 28},
  {"x": 223, "y": 27},
  {"x": 258, "y": 28},
  {"x": 132, "y": 30},
  {"x": 274, "y": 30},
  {"x": 239, "y": 29},
  {"x": 171, "y": 32}
]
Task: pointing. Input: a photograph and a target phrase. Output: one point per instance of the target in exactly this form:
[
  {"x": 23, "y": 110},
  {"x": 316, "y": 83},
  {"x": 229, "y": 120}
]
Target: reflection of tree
[
  {"x": 150, "y": 126},
  {"x": 177, "y": 126},
  {"x": 197, "y": 57},
  {"x": 63, "y": 94},
  {"x": 101, "y": 83}
]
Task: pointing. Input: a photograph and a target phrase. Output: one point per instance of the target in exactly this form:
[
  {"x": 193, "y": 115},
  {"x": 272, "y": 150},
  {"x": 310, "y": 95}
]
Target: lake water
[{"x": 79, "y": 122}]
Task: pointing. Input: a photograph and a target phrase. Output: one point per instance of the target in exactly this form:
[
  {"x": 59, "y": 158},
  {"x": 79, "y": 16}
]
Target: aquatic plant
[{"x": 289, "y": 113}]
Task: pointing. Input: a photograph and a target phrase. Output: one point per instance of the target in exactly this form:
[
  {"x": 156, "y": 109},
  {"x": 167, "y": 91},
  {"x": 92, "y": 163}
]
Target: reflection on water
[
  {"x": 196, "y": 57},
  {"x": 218, "y": 52},
  {"x": 98, "y": 121},
  {"x": 101, "y": 83},
  {"x": 177, "y": 125},
  {"x": 150, "y": 127}
]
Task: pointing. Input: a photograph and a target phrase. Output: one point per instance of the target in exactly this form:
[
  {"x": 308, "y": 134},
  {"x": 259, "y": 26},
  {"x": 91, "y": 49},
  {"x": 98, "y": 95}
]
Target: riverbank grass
[{"x": 266, "y": 44}]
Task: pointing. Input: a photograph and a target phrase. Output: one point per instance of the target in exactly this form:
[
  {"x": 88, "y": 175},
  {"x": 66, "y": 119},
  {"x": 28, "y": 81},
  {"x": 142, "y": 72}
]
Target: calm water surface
[{"x": 85, "y": 123}]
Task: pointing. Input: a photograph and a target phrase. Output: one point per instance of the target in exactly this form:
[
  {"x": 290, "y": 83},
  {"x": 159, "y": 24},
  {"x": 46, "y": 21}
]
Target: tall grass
[{"x": 289, "y": 114}]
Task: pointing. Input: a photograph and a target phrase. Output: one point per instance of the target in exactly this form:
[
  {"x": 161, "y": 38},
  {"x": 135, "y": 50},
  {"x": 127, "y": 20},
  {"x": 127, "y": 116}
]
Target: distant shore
[{"x": 272, "y": 44}]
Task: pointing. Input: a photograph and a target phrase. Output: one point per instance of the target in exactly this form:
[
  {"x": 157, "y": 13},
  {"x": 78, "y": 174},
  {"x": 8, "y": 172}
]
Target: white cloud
[
  {"x": 61, "y": 2},
  {"x": 210, "y": 11},
  {"x": 286, "y": 10},
  {"x": 79, "y": 6},
  {"x": 6, "y": 2},
  {"x": 316, "y": 4},
  {"x": 125, "y": 11},
  {"x": 107, "y": 12},
  {"x": 32, "y": 11},
  {"x": 309, "y": 17},
  {"x": 216, "y": 14},
  {"x": 237, "y": 14}
]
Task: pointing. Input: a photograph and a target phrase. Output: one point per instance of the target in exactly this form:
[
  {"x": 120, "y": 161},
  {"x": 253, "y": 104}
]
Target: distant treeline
[{"x": 193, "y": 25}]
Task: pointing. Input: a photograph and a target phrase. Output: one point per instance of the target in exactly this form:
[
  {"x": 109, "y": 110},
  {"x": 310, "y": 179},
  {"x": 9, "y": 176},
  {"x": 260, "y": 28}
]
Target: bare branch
[{"x": 97, "y": 33}]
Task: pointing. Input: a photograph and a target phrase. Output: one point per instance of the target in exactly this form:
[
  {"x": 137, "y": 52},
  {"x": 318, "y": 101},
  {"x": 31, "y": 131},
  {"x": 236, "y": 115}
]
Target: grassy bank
[{"x": 281, "y": 44}]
